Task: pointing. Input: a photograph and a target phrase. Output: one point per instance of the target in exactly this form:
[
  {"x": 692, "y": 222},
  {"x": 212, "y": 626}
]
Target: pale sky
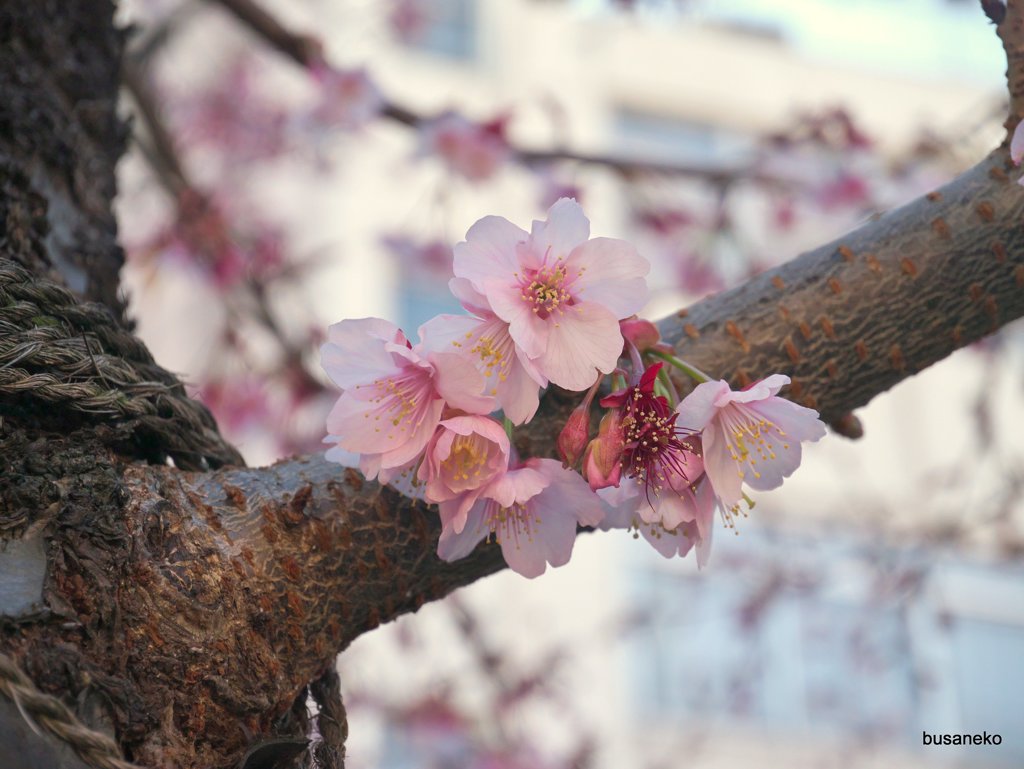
[{"x": 944, "y": 38}]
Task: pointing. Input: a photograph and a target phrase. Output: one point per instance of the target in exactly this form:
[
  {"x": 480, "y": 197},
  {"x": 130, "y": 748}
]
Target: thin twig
[
  {"x": 168, "y": 165},
  {"x": 307, "y": 51}
]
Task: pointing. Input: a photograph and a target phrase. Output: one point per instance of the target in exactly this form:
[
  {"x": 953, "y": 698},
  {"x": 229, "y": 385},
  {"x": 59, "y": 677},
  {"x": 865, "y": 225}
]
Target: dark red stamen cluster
[{"x": 655, "y": 446}]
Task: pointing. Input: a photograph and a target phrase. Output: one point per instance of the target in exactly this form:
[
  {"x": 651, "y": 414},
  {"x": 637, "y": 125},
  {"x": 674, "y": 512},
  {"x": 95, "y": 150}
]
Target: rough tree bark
[{"x": 187, "y": 610}]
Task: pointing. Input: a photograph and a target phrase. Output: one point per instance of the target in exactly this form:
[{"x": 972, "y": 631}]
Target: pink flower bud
[
  {"x": 573, "y": 438},
  {"x": 642, "y": 333},
  {"x": 602, "y": 462}
]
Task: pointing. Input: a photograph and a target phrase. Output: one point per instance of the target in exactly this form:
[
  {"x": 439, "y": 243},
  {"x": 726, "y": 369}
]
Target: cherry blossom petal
[
  {"x": 553, "y": 515},
  {"x": 475, "y": 302},
  {"x": 448, "y": 333},
  {"x": 460, "y": 384},
  {"x": 567, "y": 490},
  {"x": 759, "y": 391},
  {"x": 519, "y": 485},
  {"x": 519, "y": 394},
  {"x": 453, "y": 545},
  {"x": 369, "y": 465},
  {"x": 358, "y": 428},
  {"x": 565, "y": 228},
  {"x": 417, "y": 441},
  {"x": 794, "y": 420},
  {"x": 461, "y": 459},
  {"x": 353, "y": 352},
  {"x": 509, "y": 375},
  {"x": 669, "y": 509},
  {"x": 339, "y": 455},
  {"x": 585, "y": 337},
  {"x": 611, "y": 273},
  {"x": 620, "y": 504},
  {"x": 489, "y": 251},
  {"x": 622, "y": 511},
  {"x": 769, "y": 473},
  {"x": 699, "y": 407},
  {"x": 529, "y": 331},
  {"x": 721, "y": 469},
  {"x": 704, "y": 503},
  {"x": 669, "y": 544},
  {"x": 1017, "y": 144}
]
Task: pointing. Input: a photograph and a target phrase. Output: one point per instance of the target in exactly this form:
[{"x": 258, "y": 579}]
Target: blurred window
[
  {"x": 450, "y": 29},
  {"x": 650, "y": 136},
  {"x": 840, "y": 638}
]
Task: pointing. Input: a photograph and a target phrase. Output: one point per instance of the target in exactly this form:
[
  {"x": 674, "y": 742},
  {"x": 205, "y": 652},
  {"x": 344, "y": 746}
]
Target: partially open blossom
[
  {"x": 392, "y": 394},
  {"x": 463, "y": 456},
  {"x": 627, "y": 507},
  {"x": 749, "y": 436},
  {"x": 667, "y": 496},
  {"x": 532, "y": 512},
  {"x": 473, "y": 150},
  {"x": 602, "y": 461},
  {"x": 656, "y": 448},
  {"x": 641, "y": 333},
  {"x": 561, "y": 293},
  {"x": 511, "y": 378}
]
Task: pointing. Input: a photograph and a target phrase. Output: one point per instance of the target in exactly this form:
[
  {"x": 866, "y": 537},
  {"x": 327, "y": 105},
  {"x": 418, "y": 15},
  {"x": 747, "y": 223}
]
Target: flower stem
[
  {"x": 636, "y": 359},
  {"x": 691, "y": 371},
  {"x": 507, "y": 423},
  {"x": 670, "y": 389}
]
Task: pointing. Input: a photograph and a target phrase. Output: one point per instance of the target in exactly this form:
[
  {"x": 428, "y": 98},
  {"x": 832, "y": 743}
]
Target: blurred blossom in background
[{"x": 879, "y": 595}]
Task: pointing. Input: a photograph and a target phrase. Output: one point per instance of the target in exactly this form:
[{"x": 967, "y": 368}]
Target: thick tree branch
[
  {"x": 854, "y": 317},
  {"x": 847, "y": 321},
  {"x": 284, "y": 566},
  {"x": 1011, "y": 33}
]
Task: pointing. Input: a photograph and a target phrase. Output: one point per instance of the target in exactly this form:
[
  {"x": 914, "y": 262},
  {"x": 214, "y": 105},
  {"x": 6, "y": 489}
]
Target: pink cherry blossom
[
  {"x": 472, "y": 150},
  {"x": 392, "y": 394},
  {"x": 749, "y": 436},
  {"x": 532, "y": 512},
  {"x": 511, "y": 378},
  {"x": 561, "y": 293},
  {"x": 464, "y": 455},
  {"x": 656, "y": 448},
  {"x": 627, "y": 507},
  {"x": 349, "y": 99},
  {"x": 408, "y": 19}
]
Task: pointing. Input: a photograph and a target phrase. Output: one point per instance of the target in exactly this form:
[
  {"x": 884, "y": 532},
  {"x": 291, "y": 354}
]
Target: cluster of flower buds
[{"x": 553, "y": 306}]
